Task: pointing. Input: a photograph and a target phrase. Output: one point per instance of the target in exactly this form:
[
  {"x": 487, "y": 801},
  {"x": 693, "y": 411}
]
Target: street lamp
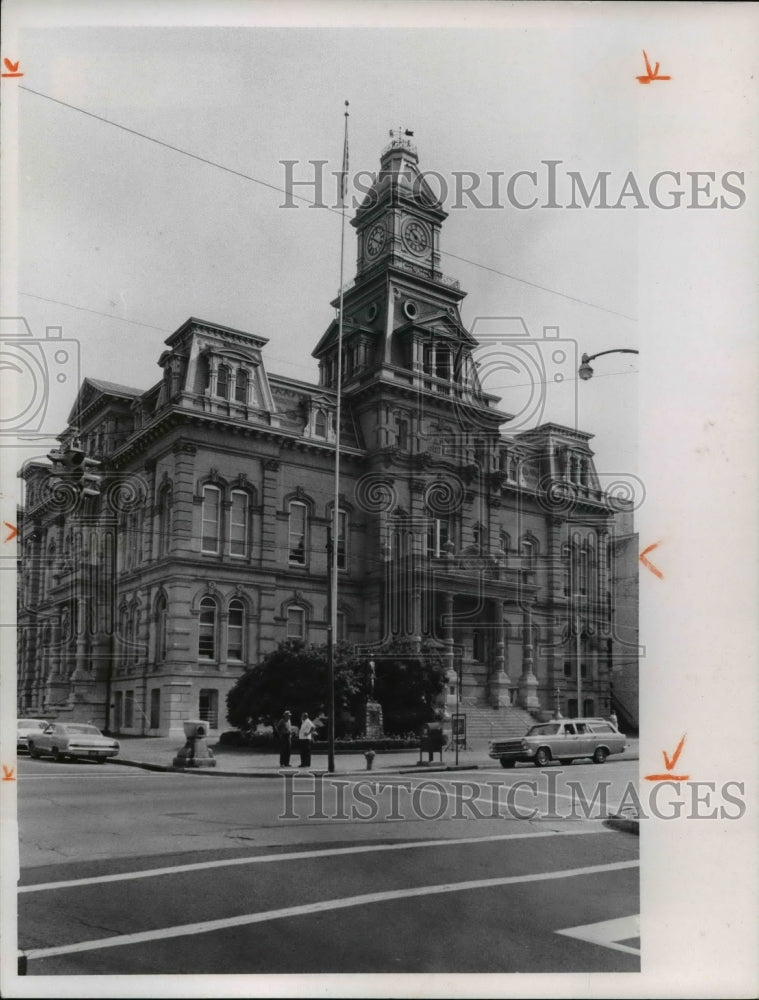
[{"x": 585, "y": 371}]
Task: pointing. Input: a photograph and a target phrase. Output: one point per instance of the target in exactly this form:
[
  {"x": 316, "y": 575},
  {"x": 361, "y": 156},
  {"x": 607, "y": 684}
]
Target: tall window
[
  {"x": 320, "y": 424},
  {"x": 401, "y": 433},
  {"x": 443, "y": 363},
  {"x": 222, "y": 381},
  {"x": 155, "y": 708},
  {"x": 161, "y": 628},
  {"x": 128, "y": 709},
  {"x": 164, "y": 521},
  {"x": 235, "y": 630},
  {"x": 296, "y": 622},
  {"x": 529, "y": 554},
  {"x": 208, "y": 707},
  {"x": 342, "y": 539},
  {"x": 297, "y": 528},
  {"x": 210, "y": 517},
  {"x": 134, "y": 626},
  {"x": 241, "y": 386},
  {"x": 207, "y": 629},
  {"x": 438, "y": 534},
  {"x": 342, "y": 626},
  {"x": 238, "y": 524}
]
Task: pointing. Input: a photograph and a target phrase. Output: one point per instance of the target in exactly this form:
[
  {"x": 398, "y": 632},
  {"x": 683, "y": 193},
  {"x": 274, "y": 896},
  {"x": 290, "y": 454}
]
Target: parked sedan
[
  {"x": 562, "y": 740},
  {"x": 27, "y": 727},
  {"x": 72, "y": 739}
]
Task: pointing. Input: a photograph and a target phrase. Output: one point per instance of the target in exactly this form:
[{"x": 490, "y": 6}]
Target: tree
[
  {"x": 294, "y": 676},
  {"x": 409, "y": 684}
]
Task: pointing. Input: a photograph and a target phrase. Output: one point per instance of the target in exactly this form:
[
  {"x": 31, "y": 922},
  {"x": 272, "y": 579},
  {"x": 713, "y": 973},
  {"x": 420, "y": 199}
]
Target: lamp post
[{"x": 585, "y": 371}]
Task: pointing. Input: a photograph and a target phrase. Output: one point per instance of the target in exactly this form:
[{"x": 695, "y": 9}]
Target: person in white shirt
[{"x": 305, "y": 735}]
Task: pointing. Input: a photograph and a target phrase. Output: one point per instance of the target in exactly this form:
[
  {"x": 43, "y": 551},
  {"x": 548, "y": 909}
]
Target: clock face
[
  {"x": 415, "y": 236},
  {"x": 375, "y": 240}
]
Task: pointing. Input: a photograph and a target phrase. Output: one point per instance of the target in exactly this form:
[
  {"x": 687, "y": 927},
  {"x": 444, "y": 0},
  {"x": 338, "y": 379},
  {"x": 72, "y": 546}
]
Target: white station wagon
[{"x": 562, "y": 740}]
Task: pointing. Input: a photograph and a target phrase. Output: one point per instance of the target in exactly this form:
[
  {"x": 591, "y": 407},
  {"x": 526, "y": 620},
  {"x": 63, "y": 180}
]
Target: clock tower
[{"x": 399, "y": 220}]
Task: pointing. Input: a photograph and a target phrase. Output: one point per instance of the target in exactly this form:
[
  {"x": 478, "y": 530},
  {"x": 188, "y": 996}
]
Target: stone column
[{"x": 528, "y": 682}]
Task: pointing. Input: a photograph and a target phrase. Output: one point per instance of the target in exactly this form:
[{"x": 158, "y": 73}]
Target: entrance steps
[{"x": 484, "y": 723}]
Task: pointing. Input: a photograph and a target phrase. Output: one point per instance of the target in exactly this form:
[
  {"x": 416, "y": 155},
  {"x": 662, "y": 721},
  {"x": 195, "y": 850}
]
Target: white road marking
[
  {"x": 306, "y": 855},
  {"x": 608, "y": 933},
  {"x": 209, "y": 926}
]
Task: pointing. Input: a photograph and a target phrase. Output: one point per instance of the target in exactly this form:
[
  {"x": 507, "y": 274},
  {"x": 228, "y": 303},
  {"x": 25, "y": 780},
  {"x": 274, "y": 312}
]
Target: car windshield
[
  {"x": 84, "y": 730},
  {"x": 549, "y": 729}
]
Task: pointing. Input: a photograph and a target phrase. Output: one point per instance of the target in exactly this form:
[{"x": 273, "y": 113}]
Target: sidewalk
[{"x": 158, "y": 753}]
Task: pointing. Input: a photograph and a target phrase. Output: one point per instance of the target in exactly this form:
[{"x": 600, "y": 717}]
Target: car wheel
[
  {"x": 34, "y": 754},
  {"x": 57, "y": 755},
  {"x": 600, "y": 755},
  {"x": 506, "y": 762},
  {"x": 542, "y": 757}
]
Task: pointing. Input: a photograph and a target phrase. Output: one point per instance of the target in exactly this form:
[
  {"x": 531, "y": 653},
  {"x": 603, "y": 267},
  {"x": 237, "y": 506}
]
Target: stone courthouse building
[{"x": 140, "y": 607}]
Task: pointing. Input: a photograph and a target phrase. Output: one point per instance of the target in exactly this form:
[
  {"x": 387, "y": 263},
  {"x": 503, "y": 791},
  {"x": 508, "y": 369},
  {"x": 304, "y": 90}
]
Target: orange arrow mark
[
  {"x": 650, "y": 565},
  {"x": 8, "y": 773},
  {"x": 14, "y": 531}
]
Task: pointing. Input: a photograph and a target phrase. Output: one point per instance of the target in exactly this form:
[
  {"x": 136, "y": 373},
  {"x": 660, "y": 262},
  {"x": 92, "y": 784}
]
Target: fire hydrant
[{"x": 370, "y": 755}]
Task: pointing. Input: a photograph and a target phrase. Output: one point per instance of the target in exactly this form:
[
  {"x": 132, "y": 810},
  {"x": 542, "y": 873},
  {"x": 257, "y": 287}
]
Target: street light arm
[{"x": 615, "y": 350}]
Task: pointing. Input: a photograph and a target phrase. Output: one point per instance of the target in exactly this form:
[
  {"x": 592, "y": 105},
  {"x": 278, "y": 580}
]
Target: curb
[{"x": 400, "y": 769}]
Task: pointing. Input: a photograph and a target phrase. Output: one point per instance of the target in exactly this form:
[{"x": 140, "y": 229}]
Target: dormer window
[
  {"x": 241, "y": 386},
  {"x": 222, "y": 382}
]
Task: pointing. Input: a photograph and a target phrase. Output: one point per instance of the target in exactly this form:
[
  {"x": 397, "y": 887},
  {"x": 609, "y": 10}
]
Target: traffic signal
[
  {"x": 90, "y": 479},
  {"x": 73, "y": 464}
]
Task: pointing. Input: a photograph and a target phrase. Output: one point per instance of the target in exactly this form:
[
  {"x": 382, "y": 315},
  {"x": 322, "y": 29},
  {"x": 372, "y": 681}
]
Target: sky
[{"x": 117, "y": 240}]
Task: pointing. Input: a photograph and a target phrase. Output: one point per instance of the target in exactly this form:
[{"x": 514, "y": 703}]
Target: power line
[{"x": 310, "y": 202}]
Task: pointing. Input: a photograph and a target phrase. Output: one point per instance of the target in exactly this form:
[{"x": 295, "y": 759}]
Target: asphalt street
[{"x": 128, "y": 871}]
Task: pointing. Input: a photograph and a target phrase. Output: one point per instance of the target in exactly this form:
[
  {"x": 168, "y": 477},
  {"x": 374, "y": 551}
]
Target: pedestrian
[
  {"x": 284, "y": 732},
  {"x": 305, "y": 735},
  {"x": 613, "y": 720}
]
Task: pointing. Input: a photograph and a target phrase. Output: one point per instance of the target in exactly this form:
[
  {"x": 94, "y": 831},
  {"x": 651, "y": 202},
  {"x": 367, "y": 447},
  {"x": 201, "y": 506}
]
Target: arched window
[
  {"x": 164, "y": 520},
  {"x": 222, "y": 381},
  {"x": 297, "y": 533},
  {"x": 238, "y": 524},
  {"x": 207, "y": 629},
  {"x": 320, "y": 424},
  {"x": 210, "y": 518},
  {"x": 161, "y": 609},
  {"x": 235, "y": 630},
  {"x": 241, "y": 386},
  {"x": 296, "y": 622}
]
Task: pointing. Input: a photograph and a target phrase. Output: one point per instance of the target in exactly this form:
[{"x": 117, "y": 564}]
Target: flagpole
[{"x": 334, "y": 542}]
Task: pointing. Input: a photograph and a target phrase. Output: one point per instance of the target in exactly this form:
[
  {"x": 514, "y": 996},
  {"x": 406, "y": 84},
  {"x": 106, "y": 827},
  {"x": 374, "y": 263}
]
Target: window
[
  {"x": 208, "y": 707},
  {"x": 320, "y": 424},
  {"x": 238, "y": 524},
  {"x": 128, "y": 709},
  {"x": 235, "y": 630},
  {"x": 118, "y": 709},
  {"x": 296, "y": 542},
  {"x": 443, "y": 363},
  {"x": 155, "y": 708},
  {"x": 222, "y": 382},
  {"x": 438, "y": 534},
  {"x": 296, "y": 622},
  {"x": 342, "y": 541},
  {"x": 164, "y": 521},
  {"x": 427, "y": 356},
  {"x": 161, "y": 630},
  {"x": 528, "y": 550},
  {"x": 401, "y": 433},
  {"x": 568, "y": 668},
  {"x": 207, "y": 629},
  {"x": 134, "y": 625},
  {"x": 342, "y": 627},
  {"x": 241, "y": 386},
  {"x": 210, "y": 532}
]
